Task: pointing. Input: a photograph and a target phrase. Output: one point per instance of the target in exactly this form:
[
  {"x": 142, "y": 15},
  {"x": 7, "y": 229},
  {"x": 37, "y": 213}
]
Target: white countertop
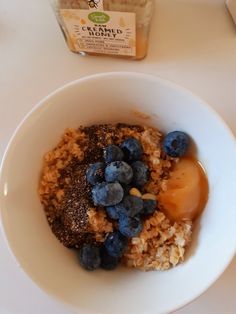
[{"x": 193, "y": 43}]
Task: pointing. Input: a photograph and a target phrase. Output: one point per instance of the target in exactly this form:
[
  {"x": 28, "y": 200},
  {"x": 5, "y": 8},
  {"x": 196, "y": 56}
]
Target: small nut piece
[
  {"x": 135, "y": 192},
  {"x": 149, "y": 196}
]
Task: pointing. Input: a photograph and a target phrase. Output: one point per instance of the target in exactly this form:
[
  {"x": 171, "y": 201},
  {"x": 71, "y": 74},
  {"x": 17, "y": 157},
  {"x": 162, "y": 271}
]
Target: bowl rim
[{"x": 128, "y": 74}]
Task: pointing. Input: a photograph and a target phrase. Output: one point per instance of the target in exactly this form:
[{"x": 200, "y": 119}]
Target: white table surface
[{"x": 193, "y": 43}]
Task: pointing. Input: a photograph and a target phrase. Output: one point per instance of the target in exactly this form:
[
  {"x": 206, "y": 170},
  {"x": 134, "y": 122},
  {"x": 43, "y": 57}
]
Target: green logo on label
[{"x": 99, "y": 17}]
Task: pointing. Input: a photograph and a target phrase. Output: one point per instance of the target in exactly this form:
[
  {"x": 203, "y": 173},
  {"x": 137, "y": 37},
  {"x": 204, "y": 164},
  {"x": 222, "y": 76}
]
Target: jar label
[{"x": 102, "y": 32}]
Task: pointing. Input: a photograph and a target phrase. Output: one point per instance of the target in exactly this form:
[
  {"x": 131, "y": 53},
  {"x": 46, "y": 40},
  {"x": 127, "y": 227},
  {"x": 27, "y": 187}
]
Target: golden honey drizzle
[{"x": 182, "y": 199}]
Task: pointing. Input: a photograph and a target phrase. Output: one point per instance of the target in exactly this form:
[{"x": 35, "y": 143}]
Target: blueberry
[
  {"x": 176, "y": 143},
  {"x": 115, "y": 244},
  {"x": 113, "y": 153},
  {"x": 119, "y": 171},
  {"x": 95, "y": 173},
  {"x": 108, "y": 262},
  {"x": 132, "y": 149},
  {"x": 89, "y": 257},
  {"x": 131, "y": 205},
  {"x": 149, "y": 206},
  {"x": 107, "y": 194},
  {"x": 140, "y": 173},
  {"x": 130, "y": 226},
  {"x": 112, "y": 212}
]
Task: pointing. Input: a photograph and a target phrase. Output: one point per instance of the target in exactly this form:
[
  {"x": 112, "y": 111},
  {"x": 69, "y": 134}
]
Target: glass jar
[{"x": 106, "y": 27}]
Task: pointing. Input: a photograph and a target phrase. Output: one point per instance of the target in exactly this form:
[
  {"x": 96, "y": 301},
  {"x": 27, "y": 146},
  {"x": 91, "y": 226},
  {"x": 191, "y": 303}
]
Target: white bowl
[{"x": 115, "y": 97}]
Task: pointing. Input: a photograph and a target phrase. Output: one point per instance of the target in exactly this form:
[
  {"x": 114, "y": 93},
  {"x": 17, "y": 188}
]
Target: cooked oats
[
  {"x": 160, "y": 245},
  {"x": 65, "y": 195}
]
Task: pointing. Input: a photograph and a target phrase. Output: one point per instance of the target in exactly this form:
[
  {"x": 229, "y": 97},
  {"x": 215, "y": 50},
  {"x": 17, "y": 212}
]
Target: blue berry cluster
[
  {"x": 92, "y": 257},
  {"x": 112, "y": 180}
]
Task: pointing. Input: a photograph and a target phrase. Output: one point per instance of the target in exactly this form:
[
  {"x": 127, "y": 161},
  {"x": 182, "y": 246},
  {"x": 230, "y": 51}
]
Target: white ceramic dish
[{"x": 114, "y": 97}]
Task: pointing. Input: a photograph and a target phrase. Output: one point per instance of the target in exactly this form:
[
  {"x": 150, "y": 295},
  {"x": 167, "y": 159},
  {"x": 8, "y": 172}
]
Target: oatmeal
[{"x": 104, "y": 189}]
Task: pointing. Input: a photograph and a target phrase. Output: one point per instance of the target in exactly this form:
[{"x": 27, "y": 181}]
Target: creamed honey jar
[{"x": 118, "y": 28}]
